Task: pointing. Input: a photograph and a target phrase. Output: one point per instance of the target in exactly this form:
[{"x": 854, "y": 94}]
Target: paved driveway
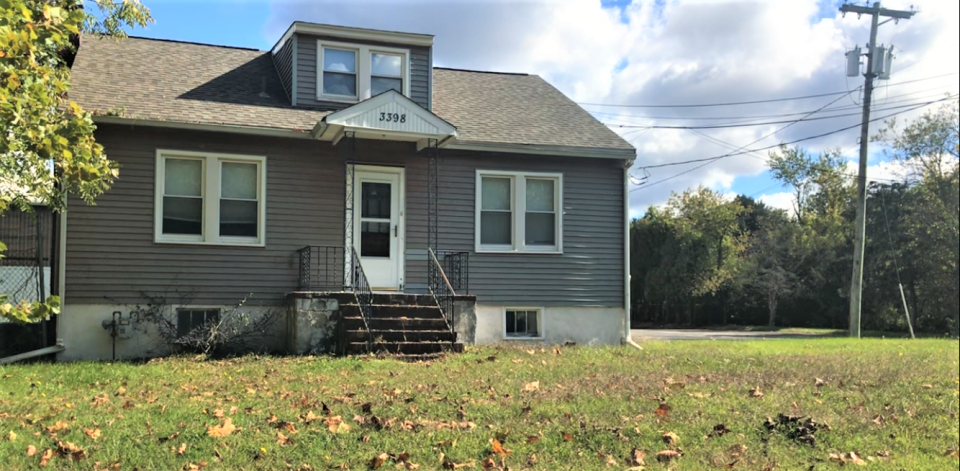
[{"x": 695, "y": 334}]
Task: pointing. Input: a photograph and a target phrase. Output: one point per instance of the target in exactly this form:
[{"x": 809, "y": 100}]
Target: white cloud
[
  {"x": 675, "y": 52},
  {"x": 783, "y": 200}
]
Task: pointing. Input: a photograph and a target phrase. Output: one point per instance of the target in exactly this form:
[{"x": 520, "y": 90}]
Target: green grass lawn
[{"x": 893, "y": 402}]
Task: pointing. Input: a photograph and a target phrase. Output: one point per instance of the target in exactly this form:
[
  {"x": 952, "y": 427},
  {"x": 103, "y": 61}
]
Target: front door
[{"x": 378, "y": 224}]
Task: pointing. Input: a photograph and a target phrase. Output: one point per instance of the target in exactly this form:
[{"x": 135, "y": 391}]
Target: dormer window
[
  {"x": 339, "y": 72},
  {"x": 355, "y": 72}
]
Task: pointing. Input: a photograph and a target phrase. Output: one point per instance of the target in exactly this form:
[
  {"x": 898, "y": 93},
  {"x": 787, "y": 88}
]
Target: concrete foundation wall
[
  {"x": 80, "y": 327},
  {"x": 585, "y": 326}
]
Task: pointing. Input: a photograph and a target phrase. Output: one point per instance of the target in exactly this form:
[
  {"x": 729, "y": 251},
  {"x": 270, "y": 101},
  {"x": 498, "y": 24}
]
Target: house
[{"x": 341, "y": 171}]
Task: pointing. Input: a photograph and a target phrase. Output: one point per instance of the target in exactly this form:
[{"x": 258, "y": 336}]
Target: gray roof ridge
[
  {"x": 520, "y": 74},
  {"x": 194, "y": 43}
]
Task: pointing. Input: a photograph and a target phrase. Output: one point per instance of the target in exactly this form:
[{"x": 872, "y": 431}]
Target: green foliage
[
  {"x": 794, "y": 269},
  {"x": 48, "y": 149}
]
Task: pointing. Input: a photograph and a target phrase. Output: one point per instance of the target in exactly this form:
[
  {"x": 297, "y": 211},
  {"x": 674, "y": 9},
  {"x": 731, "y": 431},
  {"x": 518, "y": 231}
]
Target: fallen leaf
[
  {"x": 223, "y": 430},
  {"x": 282, "y": 440},
  {"x": 58, "y": 427},
  {"x": 844, "y": 458},
  {"x": 820, "y": 383},
  {"x": 667, "y": 456},
  {"x": 218, "y": 413},
  {"x": 636, "y": 458},
  {"x": 498, "y": 448},
  {"x": 335, "y": 424},
  {"x": 92, "y": 433},
  {"x": 878, "y": 420},
  {"x": 532, "y": 461},
  {"x": 273, "y": 418},
  {"x": 531, "y": 387},
  {"x": 756, "y": 393},
  {"x": 663, "y": 410},
  {"x": 719, "y": 430},
  {"x": 952, "y": 454},
  {"x": 31, "y": 450},
  {"x": 533, "y": 439},
  {"x": 737, "y": 450},
  {"x": 12, "y": 436},
  {"x": 927, "y": 386},
  {"x": 45, "y": 458},
  {"x": 567, "y": 437},
  {"x": 69, "y": 450},
  {"x": 182, "y": 449},
  {"x": 670, "y": 439}
]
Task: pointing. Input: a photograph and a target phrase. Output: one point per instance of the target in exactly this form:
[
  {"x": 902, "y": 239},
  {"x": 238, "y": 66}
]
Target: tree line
[{"x": 703, "y": 259}]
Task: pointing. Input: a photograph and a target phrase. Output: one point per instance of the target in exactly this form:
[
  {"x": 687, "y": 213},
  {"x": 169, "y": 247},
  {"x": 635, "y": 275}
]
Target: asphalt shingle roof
[{"x": 196, "y": 83}]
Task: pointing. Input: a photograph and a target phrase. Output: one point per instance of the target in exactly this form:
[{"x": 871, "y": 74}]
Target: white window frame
[
  {"x": 321, "y": 71},
  {"x": 540, "y": 327},
  {"x": 364, "y": 68},
  {"x": 210, "y": 191},
  {"x": 518, "y": 201}
]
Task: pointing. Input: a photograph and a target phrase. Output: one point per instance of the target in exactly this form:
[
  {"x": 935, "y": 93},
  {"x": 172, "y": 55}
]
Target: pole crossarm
[{"x": 862, "y": 10}]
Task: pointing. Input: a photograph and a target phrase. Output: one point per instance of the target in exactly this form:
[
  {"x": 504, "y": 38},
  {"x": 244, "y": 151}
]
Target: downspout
[
  {"x": 627, "y": 339},
  {"x": 36, "y": 353}
]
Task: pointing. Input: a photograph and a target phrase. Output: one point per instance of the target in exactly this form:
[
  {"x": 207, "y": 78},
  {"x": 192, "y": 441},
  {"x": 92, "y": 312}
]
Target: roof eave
[
  {"x": 556, "y": 151},
  {"x": 356, "y": 34},
  {"x": 250, "y": 130}
]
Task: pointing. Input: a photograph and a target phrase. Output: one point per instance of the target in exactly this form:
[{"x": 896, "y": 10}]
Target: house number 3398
[{"x": 393, "y": 117}]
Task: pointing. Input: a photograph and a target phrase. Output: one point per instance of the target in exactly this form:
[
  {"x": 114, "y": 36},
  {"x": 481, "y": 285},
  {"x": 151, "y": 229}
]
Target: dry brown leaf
[
  {"x": 756, "y": 393},
  {"x": 222, "y": 430},
  {"x": 952, "y": 454},
  {"x": 820, "y": 383},
  {"x": 282, "y": 440},
  {"x": 182, "y": 449},
  {"x": 31, "y": 450},
  {"x": 533, "y": 439},
  {"x": 531, "y": 387},
  {"x": 927, "y": 386},
  {"x": 61, "y": 425},
  {"x": 636, "y": 458},
  {"x": 45, "y": 458},
  {"x": 532, "y": 461},
  {"x": 737, "y": 450},
  {"x": 233, "y": 410},
  {"x": 844, "y": 458},
  {"x": 92, "y": 433},
  {"x": 218, "y": 413},
  {"x": 663, "y": 410},
  {"x": 670, "y": 439},
  {"x": 273, "y": 417},
  {"x": 498, "y": 447},
  {"x": 310, "y": 417},
  {"x": 667, "y": 456},
  {"x": 878, "y": 420},
  {"x": 489, "y": 464},
  {"x": 567, "y": 437},
  {"x": 69, "y": 450},
  {"x": 335, "y": 424}
]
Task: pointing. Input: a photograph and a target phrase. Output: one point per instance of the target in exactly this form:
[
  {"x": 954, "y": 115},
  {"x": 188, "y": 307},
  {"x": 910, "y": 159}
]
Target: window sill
[
  {"x": 214, "y": 244},
  {"x": 338, "y": 99},
  {"x": 507, "y": 337},
  {"x": 520, "y": 252}
]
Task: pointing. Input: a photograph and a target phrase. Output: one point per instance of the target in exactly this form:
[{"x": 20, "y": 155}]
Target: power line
[
  {"x": 774, "y": 100},
  {"x": 764, "y": 123},
  {"x": 710, "y": 159},
  {"x": 928, "y": 93}
]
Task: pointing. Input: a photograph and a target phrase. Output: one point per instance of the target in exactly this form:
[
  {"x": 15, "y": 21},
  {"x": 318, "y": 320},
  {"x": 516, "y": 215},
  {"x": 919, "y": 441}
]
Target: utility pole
[{"x": 856, "y": 283}]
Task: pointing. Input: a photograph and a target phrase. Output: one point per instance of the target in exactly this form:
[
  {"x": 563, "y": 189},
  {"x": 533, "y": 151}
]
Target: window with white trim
[
  {"x": 519, "y": 212},
  {"x": 355, "y": 72},
  {"x": 522, "y": 323},
  {"x": 210, "y": 198}
]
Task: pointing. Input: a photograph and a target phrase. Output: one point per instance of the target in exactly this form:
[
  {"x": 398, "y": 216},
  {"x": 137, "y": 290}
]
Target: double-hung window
[
  {"x": 519, "y": 212},
  {"x": 522, "y": 324},
  {"x": 355, "y": 72},
  {"x": 210, "y": 198}
]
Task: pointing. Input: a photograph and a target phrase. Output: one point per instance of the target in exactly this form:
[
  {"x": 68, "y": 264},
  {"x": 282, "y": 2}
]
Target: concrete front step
[
  {"x": 401, "y": 348},
  {"x": 356, "y": 323},
  {"x": 360, "y": 335},
  {"x": 404, "y": 299}
]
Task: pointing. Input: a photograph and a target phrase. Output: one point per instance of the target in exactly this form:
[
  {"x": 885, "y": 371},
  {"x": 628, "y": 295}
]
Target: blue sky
[{"x": 640, "y": 52}]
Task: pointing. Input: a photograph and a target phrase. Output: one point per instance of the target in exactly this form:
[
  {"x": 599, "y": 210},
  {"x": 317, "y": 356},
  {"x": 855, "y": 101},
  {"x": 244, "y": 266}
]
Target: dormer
[{"x": 326, "y": 67}]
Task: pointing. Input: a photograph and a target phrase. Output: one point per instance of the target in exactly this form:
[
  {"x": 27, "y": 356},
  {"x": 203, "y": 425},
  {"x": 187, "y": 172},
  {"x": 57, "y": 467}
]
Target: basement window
[
  {"x": 523, "y": 324},
  {"x": 189, "y": 319}
]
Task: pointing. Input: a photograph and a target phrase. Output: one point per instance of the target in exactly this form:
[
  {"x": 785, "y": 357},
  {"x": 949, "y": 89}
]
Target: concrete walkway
[{"x": 697, "y": 334}]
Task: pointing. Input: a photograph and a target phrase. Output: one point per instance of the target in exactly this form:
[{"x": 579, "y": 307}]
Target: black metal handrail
[
  {"x": 361, "y": 288},
  {"x": 321, "y": 268},
  {"x": 441, "y": 289},
  {"x": 456, "y": 265}
]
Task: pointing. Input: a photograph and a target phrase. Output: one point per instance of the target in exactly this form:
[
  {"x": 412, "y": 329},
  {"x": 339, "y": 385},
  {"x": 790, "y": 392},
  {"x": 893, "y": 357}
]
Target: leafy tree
[{"x": 47, "y": 149}]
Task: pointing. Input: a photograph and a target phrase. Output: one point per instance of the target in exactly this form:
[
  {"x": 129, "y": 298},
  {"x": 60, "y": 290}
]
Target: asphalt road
[{"x": 694, "y": 334}]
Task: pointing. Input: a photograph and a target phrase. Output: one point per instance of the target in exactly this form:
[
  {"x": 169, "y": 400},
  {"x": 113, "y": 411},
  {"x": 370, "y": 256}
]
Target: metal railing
[
  {"x": 441, "y": 289},
  {"x": 361, "y": 288},
  {"x": 321, "y": 268},
  {"x": 456, "y": 265}
]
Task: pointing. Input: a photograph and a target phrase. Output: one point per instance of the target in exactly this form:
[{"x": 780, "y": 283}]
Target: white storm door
[{"x": 378, "y": 224}]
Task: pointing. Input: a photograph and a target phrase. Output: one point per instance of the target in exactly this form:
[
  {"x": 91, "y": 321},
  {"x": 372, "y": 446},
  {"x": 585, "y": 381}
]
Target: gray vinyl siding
[
  {"x": 283, "y": 59},
  {"x": 420, "y": 70},
  {"x": 111, "y": 256}
]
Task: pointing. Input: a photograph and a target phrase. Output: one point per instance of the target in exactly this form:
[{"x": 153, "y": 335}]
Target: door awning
[{"x": 387, "y": 116}]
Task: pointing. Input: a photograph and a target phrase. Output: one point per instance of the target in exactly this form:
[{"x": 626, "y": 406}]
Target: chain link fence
[{"x": 26, "y": 273}]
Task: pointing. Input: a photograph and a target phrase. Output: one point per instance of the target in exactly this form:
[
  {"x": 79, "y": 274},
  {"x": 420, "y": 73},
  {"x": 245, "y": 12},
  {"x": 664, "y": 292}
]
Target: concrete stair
[{"x": 408, "y": 325}]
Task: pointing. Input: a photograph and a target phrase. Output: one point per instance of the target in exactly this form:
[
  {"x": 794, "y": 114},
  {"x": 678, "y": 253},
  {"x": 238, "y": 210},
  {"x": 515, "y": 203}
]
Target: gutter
[
  {"x": 36, "y": 353},
  {"x": 627, "y": 339}
]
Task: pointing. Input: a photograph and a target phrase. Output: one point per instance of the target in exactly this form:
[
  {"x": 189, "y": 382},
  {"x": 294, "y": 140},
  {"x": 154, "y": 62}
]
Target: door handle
[{"x": 395, "y": 231}]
